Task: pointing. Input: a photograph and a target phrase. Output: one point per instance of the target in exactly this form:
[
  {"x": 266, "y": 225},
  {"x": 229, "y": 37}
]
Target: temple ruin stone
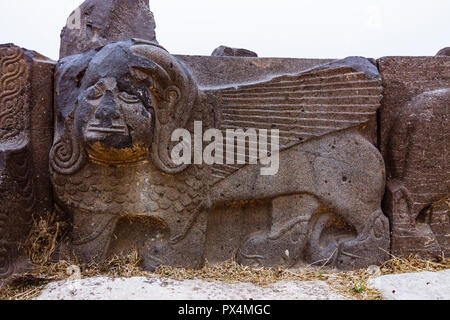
[
  {"x": 26, "y": 121},
  {"x": 414, "y": 132}
]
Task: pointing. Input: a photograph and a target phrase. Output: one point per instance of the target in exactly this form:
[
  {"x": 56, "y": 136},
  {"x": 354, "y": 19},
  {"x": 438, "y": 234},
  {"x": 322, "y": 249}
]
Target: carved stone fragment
[
  {"x": 98, "y": 22},
  {"x": 25, "y": 140},
  {"x": 415, "y": 127},
  {"x": 444, "y": 52},
  {"x": 111, "y": 163},
  {"x": 224, "y": 51}
]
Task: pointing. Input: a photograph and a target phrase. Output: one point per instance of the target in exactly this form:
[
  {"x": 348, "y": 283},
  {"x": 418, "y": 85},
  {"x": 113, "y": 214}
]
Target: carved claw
[
  {"x": 316, "y": 253},
  {"x": 269, "y": 250},
  {"x": 370, "y": 247}
]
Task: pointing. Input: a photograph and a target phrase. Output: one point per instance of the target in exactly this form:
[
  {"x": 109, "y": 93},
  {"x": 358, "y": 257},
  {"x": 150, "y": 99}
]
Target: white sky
[{"x": 272, "y": 28}]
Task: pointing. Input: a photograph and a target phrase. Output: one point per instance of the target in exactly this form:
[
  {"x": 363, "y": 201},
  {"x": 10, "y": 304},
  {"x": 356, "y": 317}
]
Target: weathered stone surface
[
  {"x": 97, "y": 22},
  {"x": 140, "y": 288},
  {"x": 224, "y": 51},
  {"x": 25, "y": 140},
  {"x": 414, "y": 286},
  {"x": 111, "y": 166},
  {"x": 415, "y": 126},
  {"x": 227, "y": 71},
  {"x": 444, "y": 52}
]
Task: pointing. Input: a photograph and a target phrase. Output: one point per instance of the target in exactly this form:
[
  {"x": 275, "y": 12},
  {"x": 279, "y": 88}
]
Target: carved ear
[
  {"x": 67, "y": 155},
  {"x": 173, "y": 105},
  {"x": 168, "y": 119}
]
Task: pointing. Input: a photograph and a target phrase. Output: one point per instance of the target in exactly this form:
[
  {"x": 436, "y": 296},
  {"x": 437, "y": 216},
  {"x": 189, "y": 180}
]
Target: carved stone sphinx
[{"x": 116, "y": 109}]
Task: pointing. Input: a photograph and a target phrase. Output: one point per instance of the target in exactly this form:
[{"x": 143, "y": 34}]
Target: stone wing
[{"x": 344, "y": 94}]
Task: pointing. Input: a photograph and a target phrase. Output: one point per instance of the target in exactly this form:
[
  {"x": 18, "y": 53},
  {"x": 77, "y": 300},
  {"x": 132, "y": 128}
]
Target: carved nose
[{"x": 106, "y": 111}]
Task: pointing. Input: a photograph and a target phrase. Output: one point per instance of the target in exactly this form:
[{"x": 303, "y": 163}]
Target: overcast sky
[{"x": 272, "y": 28}]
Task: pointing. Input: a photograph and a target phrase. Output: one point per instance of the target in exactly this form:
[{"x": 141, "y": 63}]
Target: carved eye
[
  {"x": 172, "y": 94},
  {"x": 95, "y": 93},
  {"x": 128, "y": 98}
]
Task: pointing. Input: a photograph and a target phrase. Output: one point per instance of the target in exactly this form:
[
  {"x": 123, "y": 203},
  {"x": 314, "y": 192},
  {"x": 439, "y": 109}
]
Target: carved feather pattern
[{"x": 303, "y": 106}]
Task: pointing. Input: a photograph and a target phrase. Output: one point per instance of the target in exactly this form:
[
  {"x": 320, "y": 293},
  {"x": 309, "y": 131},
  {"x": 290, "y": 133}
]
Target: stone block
[
  {"x": 414, "y": 140},
  {"x": 26, "y": 126}
]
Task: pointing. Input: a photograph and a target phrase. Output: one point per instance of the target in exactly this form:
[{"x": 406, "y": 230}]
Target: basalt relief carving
[
  {"x": 112, "y": 167},
  {"x": 419, "y": 184},
  {"x": 415, "y": 122},
  {"x": 24, "y": 137}
]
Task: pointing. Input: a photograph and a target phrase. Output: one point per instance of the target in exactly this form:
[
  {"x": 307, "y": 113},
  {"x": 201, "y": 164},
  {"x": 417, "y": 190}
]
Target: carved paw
[
  {"x": 326, "y": 237},
  {"x": 262, "y": 250},
  {"x": 371, "y": 247}
]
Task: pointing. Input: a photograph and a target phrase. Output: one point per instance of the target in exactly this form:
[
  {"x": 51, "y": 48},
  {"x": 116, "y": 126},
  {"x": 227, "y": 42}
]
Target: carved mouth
[
  {"x": 114, "y": 129},
  {"x": 95, "y": 132}
]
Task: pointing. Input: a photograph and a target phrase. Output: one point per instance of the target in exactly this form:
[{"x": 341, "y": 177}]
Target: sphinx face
[
  {"x": 116, "y": 126},
  {"x": 119, "y": 106}
]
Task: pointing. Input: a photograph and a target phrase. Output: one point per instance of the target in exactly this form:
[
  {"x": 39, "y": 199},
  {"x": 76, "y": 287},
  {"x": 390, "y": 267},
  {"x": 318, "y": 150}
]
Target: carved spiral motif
[
  {"x": 66, "y": 156},
  {"x": 12, "y": 83}
]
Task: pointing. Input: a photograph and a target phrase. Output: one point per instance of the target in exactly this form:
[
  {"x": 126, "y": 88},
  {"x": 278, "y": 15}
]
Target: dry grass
[
  {"x": 352, "y": 284},
  {"x": 232, "y": 272},
  {"x": 22, "y": 292},
  {"x": 414, "y": 264},
  {"x": 49, "y": 233},
  {"x": 29, "y": 286},
  {"x": 349, "y": 284}
]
